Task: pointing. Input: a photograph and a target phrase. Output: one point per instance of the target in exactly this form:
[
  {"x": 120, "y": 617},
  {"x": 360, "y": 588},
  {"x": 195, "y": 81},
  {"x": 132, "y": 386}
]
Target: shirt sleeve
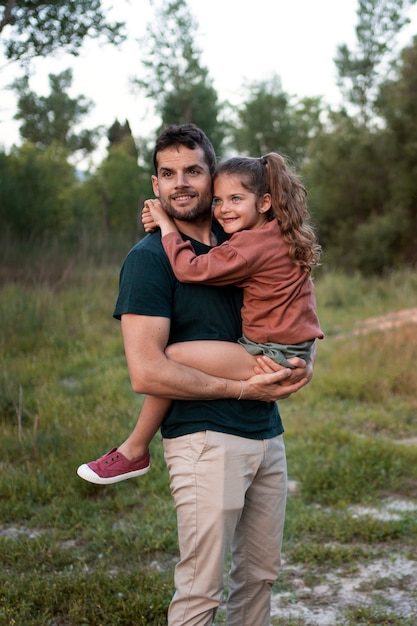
[
  {"x": 146, "y": 285},
  {"x": 222, "y": 265}
]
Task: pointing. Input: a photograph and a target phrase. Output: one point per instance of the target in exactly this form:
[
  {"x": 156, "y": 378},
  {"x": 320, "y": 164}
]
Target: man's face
[{"x": 183, "y": 183}]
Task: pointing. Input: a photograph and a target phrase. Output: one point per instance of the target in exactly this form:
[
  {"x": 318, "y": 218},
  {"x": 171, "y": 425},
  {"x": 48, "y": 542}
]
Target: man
[{"x": 225, "y": 454}]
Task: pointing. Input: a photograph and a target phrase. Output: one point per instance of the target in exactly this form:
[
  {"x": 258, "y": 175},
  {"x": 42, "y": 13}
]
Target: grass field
[{"x": 75, "y": 554}]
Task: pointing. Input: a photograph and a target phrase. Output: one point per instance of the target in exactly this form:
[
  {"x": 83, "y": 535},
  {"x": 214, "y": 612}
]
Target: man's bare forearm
[
  {"x": 180, "y": 382},
  {"x": 153, "y": 373}
]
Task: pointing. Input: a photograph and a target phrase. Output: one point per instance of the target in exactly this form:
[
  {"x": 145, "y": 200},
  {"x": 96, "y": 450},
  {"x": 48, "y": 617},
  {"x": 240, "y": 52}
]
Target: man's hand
[
  {"x": 271, "y": 387},
  {"x": 273, "y": 382},
  {"x": 301, "y": 369}
]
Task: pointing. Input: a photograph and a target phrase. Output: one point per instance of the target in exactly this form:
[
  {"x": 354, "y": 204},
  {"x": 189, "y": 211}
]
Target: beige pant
[{"x": 230, "y": 493}]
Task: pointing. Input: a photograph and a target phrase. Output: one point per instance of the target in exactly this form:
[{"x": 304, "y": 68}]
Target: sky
[{"x": 240, "y": 43}]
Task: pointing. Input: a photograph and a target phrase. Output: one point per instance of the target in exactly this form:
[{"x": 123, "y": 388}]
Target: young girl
[{"x": 261, "y": 204}]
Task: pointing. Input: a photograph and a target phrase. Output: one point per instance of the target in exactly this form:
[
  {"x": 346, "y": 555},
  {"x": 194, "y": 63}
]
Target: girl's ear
[{"x": 265, "y": 203}]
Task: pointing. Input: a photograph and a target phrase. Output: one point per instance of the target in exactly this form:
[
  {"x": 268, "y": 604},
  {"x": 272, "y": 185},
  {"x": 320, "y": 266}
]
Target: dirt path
[
  {"x": 384, "y": 322},
  {"x": 388, "y": 321},
  {"x": 386, "y": 582}
]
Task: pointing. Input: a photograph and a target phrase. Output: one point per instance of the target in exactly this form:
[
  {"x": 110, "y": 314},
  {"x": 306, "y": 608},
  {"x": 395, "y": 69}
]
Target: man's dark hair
[{"x": 187, "y": 135}]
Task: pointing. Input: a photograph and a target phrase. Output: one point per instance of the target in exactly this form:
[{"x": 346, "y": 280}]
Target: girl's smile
[{"x": 236, "y": 208}]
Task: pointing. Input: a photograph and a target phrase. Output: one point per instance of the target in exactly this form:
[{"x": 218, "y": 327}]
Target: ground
[
  {"x": 389, "y": 582},
  {"x": 385, "y": 582}
]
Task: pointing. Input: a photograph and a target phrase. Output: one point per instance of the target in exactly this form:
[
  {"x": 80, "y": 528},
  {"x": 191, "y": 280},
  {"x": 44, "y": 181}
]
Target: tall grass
[{"x": 77, "y": 554}]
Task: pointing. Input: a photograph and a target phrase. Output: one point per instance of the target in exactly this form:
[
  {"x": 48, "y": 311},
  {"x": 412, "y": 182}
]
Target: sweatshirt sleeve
[{"x": 222, "y": 265}]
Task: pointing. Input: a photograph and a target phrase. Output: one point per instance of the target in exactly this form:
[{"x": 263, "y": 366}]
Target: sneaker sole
[{"x": 87, "y": 474}]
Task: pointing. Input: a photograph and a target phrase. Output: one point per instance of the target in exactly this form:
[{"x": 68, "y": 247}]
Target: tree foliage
[
  {"x": 360, "y": 71},
  {"x": 359, "y": 163},
  {"x": 119, "y": 186},
  {"x": 398, "y": 107},
  {"x": 361, "y": 171},
  {"x": 121, "y": 135},
  {"x": 52, "y": 119},
  {"x": 30, "y": 29},
  {"x": 363, "y": 182},
  {"x": 269, "y": 120},
  {"x": 346, "y": 176},
  {"x": 36, "y": 192},
  {"x": 175, "y": 78}
]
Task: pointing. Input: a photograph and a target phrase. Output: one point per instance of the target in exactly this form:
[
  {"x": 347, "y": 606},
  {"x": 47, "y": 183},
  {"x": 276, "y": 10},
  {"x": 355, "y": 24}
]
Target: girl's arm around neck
[{"x": 164, "y": 221}]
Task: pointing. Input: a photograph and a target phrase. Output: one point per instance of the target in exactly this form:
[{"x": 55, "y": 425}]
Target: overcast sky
[{"x": 240, "y": 43}]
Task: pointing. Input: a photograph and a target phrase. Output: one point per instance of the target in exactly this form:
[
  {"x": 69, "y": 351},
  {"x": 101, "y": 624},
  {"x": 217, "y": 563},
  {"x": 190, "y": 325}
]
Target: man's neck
[{"x": 200, "y": 231}]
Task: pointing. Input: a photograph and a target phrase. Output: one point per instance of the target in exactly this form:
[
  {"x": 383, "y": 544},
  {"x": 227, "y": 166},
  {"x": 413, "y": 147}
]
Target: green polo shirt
[{"x": 148, "y": 287}]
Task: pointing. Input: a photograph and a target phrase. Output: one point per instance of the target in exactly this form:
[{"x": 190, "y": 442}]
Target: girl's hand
[
  {"x": 153, "y": 215},
  {"x": 156, "y": 211},
  {"x": 149, "y": 224}
]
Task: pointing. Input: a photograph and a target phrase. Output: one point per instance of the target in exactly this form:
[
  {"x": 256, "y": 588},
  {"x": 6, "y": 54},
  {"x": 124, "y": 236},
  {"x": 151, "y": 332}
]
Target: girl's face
[{"x": 236, "y": 208}]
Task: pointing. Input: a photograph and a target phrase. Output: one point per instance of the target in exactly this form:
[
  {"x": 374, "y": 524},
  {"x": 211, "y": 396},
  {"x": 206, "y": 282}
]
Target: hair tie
[{"x": 263, "y": 160}]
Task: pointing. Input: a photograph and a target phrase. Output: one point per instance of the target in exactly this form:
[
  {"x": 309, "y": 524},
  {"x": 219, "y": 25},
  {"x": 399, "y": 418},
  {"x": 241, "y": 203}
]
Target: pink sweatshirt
[{"x": 278, "y": 297}]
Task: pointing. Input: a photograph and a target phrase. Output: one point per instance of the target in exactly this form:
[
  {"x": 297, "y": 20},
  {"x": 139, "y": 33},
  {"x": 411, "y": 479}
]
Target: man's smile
[{"x": 183, "y": 198}]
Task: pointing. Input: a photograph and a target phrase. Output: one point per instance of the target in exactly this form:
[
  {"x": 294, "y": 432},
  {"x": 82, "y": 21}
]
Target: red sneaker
[{"x": 114, "y": 467}]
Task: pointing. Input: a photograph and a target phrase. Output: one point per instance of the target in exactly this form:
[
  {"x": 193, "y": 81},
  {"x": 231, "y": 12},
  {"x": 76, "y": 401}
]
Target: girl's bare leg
[
  {"x": 150, "y": 419},
  {"x": 218, "y": 358}
]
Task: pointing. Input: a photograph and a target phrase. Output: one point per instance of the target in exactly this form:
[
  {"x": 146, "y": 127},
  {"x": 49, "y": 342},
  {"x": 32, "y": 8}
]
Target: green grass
[{"x": 75, "y": 554}]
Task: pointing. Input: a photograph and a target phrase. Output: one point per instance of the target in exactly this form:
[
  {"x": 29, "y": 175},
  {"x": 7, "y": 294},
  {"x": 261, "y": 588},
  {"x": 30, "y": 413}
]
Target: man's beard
[{"x": 200, "y": 213}]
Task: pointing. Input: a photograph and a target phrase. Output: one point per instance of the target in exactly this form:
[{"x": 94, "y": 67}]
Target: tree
[
  {"x": 51, "y": 119},
  {"x": 119, "y": 186},
  {"x": 175, "y": 78},
  {"x": 39, "y": 28},
  {"x": 360, "y": 71},
  {"x": 349, "y": 178},
  {"x": 397, "y": 105},
  {"x": 119, "y": 135},
  {"x": 35, "y": 199},
  {"x": 270, "y": 121}
]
